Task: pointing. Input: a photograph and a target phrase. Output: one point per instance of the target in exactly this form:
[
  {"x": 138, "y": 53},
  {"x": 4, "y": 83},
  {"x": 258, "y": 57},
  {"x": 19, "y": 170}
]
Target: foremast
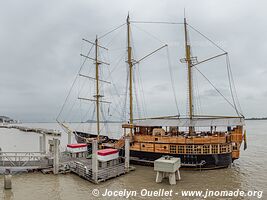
[
  {"x": 97, "y": 96},
  {"x": 189, "y": 69}
]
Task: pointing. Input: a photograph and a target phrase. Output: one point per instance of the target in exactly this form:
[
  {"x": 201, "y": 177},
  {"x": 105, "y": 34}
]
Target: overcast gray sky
[{"x": 40, "y": 43}]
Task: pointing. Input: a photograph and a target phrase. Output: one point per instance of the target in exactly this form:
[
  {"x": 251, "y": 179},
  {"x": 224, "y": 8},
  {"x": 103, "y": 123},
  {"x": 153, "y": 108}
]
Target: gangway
[{"x": 23, "y": 160}]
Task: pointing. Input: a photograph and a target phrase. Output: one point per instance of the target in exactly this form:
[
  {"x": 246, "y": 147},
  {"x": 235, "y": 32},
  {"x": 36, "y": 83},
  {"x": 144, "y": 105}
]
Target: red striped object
[
  {"x": 74, "y": 146},
  {"x": 105, "y": 152}
]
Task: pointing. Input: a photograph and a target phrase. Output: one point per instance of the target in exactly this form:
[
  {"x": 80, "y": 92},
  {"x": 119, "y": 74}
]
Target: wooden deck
[{"x": 83, "y": 168}]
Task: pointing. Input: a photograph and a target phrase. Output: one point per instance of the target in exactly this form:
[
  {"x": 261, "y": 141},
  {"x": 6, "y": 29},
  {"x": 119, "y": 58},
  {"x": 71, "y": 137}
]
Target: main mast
[
  {"x": 189, "y": 69},
  {"x": 129, "y": 49},
  {"x": 97, "y": 88}
]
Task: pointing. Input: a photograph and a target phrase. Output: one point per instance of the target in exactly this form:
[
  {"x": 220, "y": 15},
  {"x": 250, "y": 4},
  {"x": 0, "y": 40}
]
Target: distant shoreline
[{"x": 256, "y": 118}]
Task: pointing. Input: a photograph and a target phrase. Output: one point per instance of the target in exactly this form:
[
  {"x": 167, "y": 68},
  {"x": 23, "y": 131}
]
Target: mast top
[{"x": 128, "y": 19}]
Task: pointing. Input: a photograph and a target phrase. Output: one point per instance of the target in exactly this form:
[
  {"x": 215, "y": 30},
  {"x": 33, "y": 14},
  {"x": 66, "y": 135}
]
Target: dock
[
  {"x": 97, "y": 168},
  {"x": 83, "y": 168},
  {"x": 35, "y": 130}
]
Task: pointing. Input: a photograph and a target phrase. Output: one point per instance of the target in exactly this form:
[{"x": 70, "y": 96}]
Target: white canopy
[{"x": 196, "y": 122}]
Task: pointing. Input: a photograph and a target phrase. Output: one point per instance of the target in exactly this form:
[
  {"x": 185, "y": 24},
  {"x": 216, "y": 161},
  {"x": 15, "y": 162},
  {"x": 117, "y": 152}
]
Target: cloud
[{"x": 41, "y": 42}]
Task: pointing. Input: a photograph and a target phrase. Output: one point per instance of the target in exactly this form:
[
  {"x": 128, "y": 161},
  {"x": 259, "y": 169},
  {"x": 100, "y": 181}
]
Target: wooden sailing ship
[
  {"x": 200, "y": 141},
  {"x": 87, "y": 137},
  {"x": 82, "y": 137},
  {"x": 176, "y": 136}
]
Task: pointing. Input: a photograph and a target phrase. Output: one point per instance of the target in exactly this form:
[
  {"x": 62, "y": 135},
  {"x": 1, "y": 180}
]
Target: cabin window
[
  {"x": 156, "y": 139},
  {"x": 229, "y": 149},
  {"x": 180, "y": 149},
  {"x": 197, "y": 149},
  {"x": 206, "y": 149},
  {"x": 143, "y": 145},
  {"x": 214, "y": 148},
  {"x": 223, "y": 148},
  {"x": 235, "y": 146},
  {"x": 172, "y": 148},
  {"x": 189, "y": 149}
]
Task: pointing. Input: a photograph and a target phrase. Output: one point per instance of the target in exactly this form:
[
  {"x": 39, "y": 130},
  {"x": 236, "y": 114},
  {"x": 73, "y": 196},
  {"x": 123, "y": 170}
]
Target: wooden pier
[
  {"x": 35, "y": 130},
  {"x": 94, "y": 169}
]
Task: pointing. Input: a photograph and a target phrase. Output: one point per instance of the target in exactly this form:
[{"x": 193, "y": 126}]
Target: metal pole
[
  {"x": 44, "y": 143},
  {"x": 127, "y": 153},
  {"x": 56, "y": 156},
  {"x": 69, "y": 137},
  {"x": 1, "y": 154},
  {"x": 41, "y": 143},
  {"x": 7, "y": 179},
  {"x": 94, "y": 160}
]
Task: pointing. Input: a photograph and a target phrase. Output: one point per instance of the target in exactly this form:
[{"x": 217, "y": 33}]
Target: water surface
[{"x": 247, "y": 173}]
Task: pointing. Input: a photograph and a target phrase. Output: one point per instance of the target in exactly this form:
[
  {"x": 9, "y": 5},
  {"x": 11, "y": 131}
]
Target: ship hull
[
  {"x": 80, "y": 137},
  {"x": 212, "y": 161}
]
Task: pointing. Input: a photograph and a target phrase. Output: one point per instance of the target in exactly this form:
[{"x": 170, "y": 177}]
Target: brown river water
[{"x": 249, "y": 173}]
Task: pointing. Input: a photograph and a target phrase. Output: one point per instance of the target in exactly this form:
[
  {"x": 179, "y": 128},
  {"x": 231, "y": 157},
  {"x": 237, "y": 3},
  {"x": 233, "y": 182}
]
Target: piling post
[
  {"x": 127, "y": 153},
  {"x": 94, "y": 161},
  {"x": 7, "y": 179},
  {"x": 56, "y": 156},
  {"x": 41, "y": 143},
  {"x": 1, "y": 154},
  {"x": 69, "y": 137},
  {"x": 44, "y": 143}
]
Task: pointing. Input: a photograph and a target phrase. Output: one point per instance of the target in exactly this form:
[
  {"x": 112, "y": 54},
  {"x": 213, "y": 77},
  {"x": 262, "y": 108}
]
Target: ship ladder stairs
[{"x": 120, "y": 143}]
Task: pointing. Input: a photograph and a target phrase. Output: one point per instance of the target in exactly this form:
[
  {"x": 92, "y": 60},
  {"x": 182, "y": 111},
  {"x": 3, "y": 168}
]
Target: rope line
[
  {"x": 172, "y": 82},
  {"x": 116, "y": 28},
  {"x": 215, "y": 88},
  {"x": 207, "y": 38},
  {"x": 74, "y": 83},
  {"x": 155, "y": 22},
  {"x": 232, "y": 85}
]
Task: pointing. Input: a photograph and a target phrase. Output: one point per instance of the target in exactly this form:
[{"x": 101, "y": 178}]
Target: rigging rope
[
  {"x": 172, "y": 82},
  {"x": 135, "y": 94},
  {"x": 155, "y": 22},
  {"x": 207, "y": 38},
  {"x": 215, "y": 88},
  {"x": 142, "y": 90},
  {"x": 104, "y": 120},
  {"x": 93, "y": 115},
  {"x": 126, "y": 95},
  {"x": 117, "y": 104},
  {"x": 116, "y": 28},
  {"x": 137, "y": 107},
  {"x": 153, "y": 36},
  {"x": 198, "y": 99},
  {"x": 232, "y": 85},
  {"x": 73, "y": 83}
]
